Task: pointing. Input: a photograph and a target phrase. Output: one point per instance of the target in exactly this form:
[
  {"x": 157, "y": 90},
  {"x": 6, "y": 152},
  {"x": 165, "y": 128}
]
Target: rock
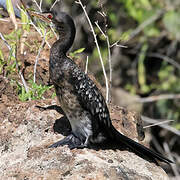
[{"x": 26, "y": 132}]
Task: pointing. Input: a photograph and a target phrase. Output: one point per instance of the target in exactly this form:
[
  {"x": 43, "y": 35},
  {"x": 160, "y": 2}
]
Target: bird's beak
[{"x": 42, "y": 16}]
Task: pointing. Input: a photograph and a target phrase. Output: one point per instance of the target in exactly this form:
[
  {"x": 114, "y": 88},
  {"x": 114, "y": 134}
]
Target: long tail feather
[{"x": 139, "y": 148}]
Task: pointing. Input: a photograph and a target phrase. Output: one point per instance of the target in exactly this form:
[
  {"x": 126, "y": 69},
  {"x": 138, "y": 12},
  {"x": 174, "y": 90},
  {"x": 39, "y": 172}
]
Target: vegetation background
[{"x": 144, "y": 37}]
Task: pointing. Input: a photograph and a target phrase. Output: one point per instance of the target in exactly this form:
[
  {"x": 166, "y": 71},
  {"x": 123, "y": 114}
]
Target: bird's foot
[{"x": 71, "y": 141}]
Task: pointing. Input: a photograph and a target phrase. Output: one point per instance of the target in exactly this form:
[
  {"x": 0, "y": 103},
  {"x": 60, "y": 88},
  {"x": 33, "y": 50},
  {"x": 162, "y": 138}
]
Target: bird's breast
[{"x": 79, "y": 119}]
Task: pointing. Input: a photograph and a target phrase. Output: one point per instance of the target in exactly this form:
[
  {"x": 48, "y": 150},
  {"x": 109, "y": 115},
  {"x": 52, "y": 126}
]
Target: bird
[{"x": 80, "y": 99}]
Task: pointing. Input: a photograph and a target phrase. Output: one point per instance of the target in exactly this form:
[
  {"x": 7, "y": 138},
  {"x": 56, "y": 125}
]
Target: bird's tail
[{"x": 139, "y": 148}]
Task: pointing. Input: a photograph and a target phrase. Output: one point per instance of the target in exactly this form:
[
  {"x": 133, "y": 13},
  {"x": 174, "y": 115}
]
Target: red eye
[{"x": 49, "y": 16}]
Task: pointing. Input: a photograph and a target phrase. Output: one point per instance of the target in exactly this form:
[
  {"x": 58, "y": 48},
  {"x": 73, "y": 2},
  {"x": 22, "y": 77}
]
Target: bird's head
[
  {"x": 60, "y": 20},
  {"x": 64, "y": 25}
]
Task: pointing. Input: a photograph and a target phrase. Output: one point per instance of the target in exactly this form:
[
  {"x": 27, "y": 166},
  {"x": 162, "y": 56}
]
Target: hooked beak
[{"x": 42, "y": 16}]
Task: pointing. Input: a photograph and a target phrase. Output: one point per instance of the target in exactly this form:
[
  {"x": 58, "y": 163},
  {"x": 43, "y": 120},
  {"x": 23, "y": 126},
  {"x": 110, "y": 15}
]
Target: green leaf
[
  {"x": 1, "y": 55},
  {"x": 78, "y": 51},
  {"x": 25, "y": 21},
  {"x": 10, "y": 8}
]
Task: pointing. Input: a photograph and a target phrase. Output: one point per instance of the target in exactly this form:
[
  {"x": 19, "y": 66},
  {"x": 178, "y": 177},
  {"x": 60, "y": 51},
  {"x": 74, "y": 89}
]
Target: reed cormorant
[{"x": 80, "y": 99}]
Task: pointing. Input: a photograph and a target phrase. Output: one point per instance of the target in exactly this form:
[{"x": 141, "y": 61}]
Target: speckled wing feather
[{"x": 91, "y": 99}]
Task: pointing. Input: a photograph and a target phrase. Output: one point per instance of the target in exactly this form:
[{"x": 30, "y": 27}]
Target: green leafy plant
[
  {"x": 2, "y": 61},
  {"x": 35, "y": 91},
  {"x": 142, "y": 11}
]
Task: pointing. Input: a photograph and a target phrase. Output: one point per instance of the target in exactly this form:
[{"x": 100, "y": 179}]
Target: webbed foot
[{"x": 71, "y": 141}]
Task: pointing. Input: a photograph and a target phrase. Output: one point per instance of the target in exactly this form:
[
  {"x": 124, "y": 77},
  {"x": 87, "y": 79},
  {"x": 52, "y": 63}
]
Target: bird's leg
[
  {"x": 86, "y": 143},
  {"x": 70, "y": 140}
]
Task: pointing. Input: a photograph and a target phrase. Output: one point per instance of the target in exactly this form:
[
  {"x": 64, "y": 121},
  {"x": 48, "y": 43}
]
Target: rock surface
[{"x": 26, "y": 132}]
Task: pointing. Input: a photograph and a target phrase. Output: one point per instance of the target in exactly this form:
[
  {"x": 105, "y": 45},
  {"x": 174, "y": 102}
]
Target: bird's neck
[{"x": 65, "y": 41}]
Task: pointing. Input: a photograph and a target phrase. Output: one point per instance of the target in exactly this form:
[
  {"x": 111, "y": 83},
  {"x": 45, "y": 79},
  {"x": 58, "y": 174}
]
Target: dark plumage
[{"x": 80, "y": 99}]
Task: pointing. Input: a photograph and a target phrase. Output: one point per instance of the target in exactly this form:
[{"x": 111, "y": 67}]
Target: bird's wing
[{"x": 91, "y": 98}]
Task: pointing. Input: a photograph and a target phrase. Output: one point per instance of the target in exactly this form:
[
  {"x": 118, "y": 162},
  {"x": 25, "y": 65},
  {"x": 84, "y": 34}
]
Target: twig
[
  {"x": 23, "y": 8},
  {"x": 17, "y": 66},
  {"x": 54, "y": 4},
  {"x": 96, "y": 23},
  {"x": 51, "y": 26},
  {"x": 110, "y": 67},
  {"x": 5, "y": 42},
  {"x": 165, "y": 58},
  {"x": 97, "y": 45},
  {"x": 31, "y": 23},
  {"x": 118, "y": 45},
  {"x": 103, "y": 14},
  {"x": 159, "y": 97},
  {"x": 165, "y": 126},
  {"x": 37, "y": 57},
  {"x": 109, "y": 58},
  {"x": 156, "y": 144},
  {"x": 86, "y": 68},
  {"x": 20, "y": 74},
  {"x": 158, "y": 123},
  {"x": 40, "y": 33},
  {"x": 39, "y": 6},
  {"x": 5, "y": 20},
  {"x": 173, "y": 166}
]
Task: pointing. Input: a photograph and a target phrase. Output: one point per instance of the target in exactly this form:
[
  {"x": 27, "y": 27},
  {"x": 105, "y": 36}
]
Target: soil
[{"x": 26, "y": 60}]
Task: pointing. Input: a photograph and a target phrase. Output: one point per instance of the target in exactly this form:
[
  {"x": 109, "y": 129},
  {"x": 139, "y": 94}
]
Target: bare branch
[
  {"x": 96, "y": 23},
  {"x": 109, "y": 58},
  {"x": 118, "y": 45},
  {"x": 110, "y": 67},
  {"x": 173, "y": 165},
  {"x": 159, "y": 97},
  {"x": 156, "y": 144},
  {"x": 54, "y": 4},
  {"x": 51, "y": 26},
  {"x": 102, "y": 13},
  {"x": 158, "y": 123},
  {"x": 31, "y": 23},
  {"x": 165, "y": 58},
  {"x": 97, "y": 45},
  {"x": 165, "y": 126},
  {"x": 37, "y": 57},
  {"x": 86, "y": 68},
  {"x": 38, "y": 5},
  {"x": 5, "y": 20},
  {"x": 5, "y": 42}
]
